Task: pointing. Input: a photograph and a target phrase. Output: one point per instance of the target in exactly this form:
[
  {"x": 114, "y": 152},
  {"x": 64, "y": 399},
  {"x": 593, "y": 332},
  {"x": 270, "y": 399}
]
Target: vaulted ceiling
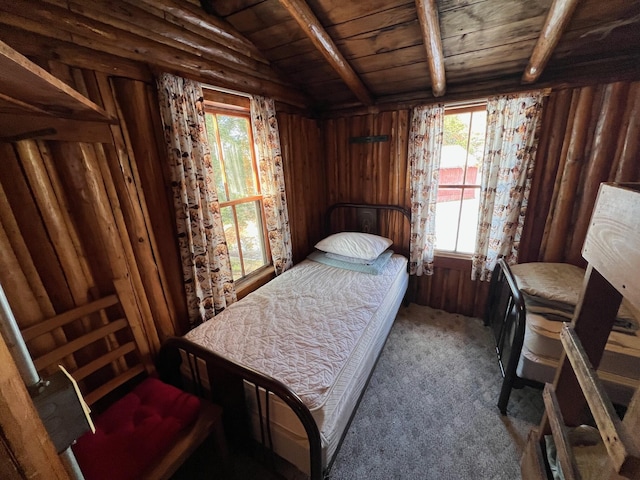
[{"x": 338, "y": 53}]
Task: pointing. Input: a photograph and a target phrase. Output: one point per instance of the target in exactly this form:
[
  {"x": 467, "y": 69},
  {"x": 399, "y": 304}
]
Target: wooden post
[{"x": 24, "y": 436}]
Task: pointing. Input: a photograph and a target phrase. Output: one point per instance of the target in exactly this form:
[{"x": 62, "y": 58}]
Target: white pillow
[{"x": 355, "y": 244}]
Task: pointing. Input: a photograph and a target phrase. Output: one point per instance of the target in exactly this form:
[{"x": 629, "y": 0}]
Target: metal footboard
[
  {"x": 225, "y": 380},
  {"x": 506, "y": 315}
]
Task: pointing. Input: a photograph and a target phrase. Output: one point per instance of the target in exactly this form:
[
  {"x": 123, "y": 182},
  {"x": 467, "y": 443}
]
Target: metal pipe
[
  {"x": 15, "y": 342},
  {"x": 13, "y": 338}
]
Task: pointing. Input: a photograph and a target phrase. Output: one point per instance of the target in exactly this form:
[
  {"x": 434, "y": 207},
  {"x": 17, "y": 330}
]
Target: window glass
[
  {"x": 234, "y": 169},
  {"x": 216, "y": 159},
  {"x": 459, "y": 183}
]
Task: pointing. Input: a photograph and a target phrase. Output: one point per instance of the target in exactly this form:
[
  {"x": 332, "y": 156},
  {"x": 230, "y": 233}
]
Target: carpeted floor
[{"x": 429, "y": 411}]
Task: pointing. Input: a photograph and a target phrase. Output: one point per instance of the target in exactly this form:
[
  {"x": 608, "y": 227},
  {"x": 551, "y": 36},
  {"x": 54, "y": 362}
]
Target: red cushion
[{"x": 135, "y": 430}]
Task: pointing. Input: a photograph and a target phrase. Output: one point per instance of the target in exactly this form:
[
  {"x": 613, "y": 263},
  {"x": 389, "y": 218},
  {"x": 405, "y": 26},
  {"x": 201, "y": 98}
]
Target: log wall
[{"x": 589, "y": 135}]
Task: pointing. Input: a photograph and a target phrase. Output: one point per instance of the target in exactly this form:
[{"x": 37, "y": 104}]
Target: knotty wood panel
[{"x": 305, "y": 180}]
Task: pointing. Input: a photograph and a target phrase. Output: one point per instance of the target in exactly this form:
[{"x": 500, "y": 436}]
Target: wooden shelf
[{"x": 32, "y": 100}]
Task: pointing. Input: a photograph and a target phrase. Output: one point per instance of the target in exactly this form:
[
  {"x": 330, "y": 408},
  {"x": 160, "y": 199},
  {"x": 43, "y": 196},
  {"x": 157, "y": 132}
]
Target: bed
[
  {"x": 526, "y": 307},
  {"x": 290, "y": 362}
]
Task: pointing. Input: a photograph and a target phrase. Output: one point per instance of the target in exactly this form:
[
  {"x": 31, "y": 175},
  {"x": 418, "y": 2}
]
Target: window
[
  {"x": 238, "y": 187},
  {"x": 460, "y": 176}
]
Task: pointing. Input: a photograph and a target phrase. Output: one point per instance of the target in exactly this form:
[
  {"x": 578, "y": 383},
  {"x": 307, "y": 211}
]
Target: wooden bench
[{"x": 108, "y": 357}]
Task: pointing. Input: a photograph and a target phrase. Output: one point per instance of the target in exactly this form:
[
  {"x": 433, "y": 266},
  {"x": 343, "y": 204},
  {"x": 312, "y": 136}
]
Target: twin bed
[
  {"x": 526, "y": 307},
  {"x": 290, "y": 362}
]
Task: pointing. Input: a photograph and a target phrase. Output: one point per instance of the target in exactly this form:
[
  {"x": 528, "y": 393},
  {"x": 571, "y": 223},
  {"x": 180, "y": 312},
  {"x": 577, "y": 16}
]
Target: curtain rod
[{"x": 226, "y": 90}]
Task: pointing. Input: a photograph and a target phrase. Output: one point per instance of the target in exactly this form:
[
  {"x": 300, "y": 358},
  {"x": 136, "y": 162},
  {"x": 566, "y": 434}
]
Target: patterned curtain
[
  {"x": 267, "y": 144},
  {"x": 425, "y": 145},
  {"x": 513, "y": 123},
  {"x": 205, "y": 259}
]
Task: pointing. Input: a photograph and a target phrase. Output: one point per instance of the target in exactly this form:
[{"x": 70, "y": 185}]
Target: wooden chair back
[{"x": 104, "y": 351}]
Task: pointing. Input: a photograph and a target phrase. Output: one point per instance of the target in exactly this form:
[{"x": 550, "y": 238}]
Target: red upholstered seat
[{"x": 135, "y": 431}]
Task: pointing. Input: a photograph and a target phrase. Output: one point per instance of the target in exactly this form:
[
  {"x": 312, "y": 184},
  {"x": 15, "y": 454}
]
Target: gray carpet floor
[
  {"x": 430, "y": 409},
  {"x": 429, "y": 412}
]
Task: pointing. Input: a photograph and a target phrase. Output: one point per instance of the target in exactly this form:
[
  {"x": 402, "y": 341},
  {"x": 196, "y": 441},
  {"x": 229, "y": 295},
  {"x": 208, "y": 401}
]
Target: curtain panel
[
  {"x": 207, "y": 276},
  {"x": 266, "y": 138},
  {"x": 513, "y": 124},
  {"x": 425, "y": 146}
]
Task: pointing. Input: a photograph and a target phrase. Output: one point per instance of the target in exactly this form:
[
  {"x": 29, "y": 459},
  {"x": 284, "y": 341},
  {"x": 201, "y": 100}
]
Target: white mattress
[
  {"x": 323, "y": 328},
  {"x": 619, "y": 368}
]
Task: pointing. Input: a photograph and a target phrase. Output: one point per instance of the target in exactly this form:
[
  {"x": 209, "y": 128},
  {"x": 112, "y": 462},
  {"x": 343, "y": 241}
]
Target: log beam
[
  {"x": 62, "y": 24},
  {"x": 430, "y": 26},
  {"x": 312, "y": 27},
  {"x": 193, "y": 19},
  {"x": 557, "y": 20}
]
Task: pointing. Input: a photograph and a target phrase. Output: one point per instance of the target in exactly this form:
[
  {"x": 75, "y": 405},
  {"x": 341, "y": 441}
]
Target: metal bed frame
[
  {"x": 226, "y": 377},
  {"x": 506, "y": 315}
]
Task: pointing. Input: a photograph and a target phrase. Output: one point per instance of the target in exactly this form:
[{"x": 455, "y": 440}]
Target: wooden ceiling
[{"x": 341, "y": 53}]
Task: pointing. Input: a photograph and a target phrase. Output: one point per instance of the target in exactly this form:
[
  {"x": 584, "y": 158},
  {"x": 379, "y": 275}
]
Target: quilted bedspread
[{"x": 301, "y": 327}]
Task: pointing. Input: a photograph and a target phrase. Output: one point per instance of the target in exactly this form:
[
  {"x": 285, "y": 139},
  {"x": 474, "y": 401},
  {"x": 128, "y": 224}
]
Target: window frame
[
  {"x": 241, "y": 109},
  {"x": 455, "y": 109}
]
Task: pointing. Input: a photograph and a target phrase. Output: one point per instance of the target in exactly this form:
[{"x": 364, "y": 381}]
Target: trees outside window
[{"x": 236, "y": 181}]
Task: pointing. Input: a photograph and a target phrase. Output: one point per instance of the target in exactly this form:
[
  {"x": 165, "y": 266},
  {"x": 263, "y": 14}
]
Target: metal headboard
[{"x": 367, "y": 215}]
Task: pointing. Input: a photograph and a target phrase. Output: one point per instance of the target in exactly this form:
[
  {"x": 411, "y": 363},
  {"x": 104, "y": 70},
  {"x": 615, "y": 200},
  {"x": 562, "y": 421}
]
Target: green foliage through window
[{"x": 236, "y": 181}]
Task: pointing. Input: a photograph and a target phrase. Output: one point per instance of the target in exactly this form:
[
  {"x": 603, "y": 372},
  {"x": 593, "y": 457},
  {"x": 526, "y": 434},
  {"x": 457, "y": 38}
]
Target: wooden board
[
  {"x": 611, "y": 245},
  {"x": 36, "y": 90}
]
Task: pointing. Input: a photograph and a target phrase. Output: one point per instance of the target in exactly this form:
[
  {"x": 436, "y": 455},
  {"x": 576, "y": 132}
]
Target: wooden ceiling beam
[
  {"x": 312, "y": 27},
  {"x": 430, "y": 26},
  {"x": 557, "y": 20}
]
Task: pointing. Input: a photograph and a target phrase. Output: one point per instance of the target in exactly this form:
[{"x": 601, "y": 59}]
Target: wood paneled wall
[
  {"x": 370, "y": 172},
  {"x": 589, "y": 135},
  {"x": 377, "y": 173},
  {"x": 305, "y": 180}
]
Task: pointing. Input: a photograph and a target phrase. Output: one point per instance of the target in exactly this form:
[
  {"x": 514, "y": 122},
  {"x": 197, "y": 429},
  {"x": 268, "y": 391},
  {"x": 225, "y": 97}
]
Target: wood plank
[
  {"x": 607, "y": 247},
  {"x": 56, "y": 354},
  {"x": 95, "y": 395},
  {"x": 26, "y": 82},
  {"x": 532, "y": 461},
  {"x": 123, "y": 185},
  {"x": 137, "y": 108},
  {"x": 103, "y": 361},
  {"x": 67, "y": 317},
  {"x": 564, "y": 451},
  {"x": 620, "y": 443}
]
